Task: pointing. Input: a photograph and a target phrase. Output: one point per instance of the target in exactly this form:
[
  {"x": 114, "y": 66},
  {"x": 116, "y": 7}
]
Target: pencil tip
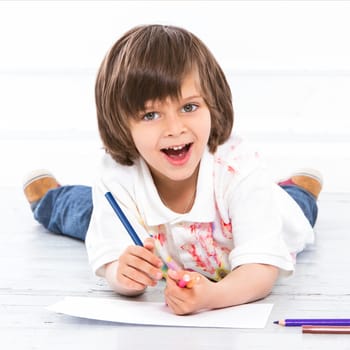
[{"x": 275, "y": 322}]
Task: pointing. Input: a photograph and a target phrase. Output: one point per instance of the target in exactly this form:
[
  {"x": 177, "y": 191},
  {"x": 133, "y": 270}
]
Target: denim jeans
[
  {"x": 67, "y": 210},
  {"x": 305, "y": 200}
]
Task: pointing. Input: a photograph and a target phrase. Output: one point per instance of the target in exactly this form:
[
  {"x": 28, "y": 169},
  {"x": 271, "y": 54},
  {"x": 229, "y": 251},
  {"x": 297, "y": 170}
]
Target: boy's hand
[
  {"x": 244, "y": 284},
  {"x": 138, "y": 267},
  {"x": 189, "y": 298}
]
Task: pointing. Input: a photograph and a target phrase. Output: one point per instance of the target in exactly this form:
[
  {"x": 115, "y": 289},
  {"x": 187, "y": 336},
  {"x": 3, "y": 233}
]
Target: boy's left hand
[{"x": 184, "y": 300}]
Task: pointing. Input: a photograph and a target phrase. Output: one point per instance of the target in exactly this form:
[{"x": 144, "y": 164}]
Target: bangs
[
  {"x": 159, "y": 65},
  {"x": 148, "y": 86}
]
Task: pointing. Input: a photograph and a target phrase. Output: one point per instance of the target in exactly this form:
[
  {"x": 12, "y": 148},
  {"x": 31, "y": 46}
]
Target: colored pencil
[
  {"x": 185, "y": 281},
  {"x": 314, "y": 322},
  {"x": 326, "y": 329},
  {"x": 169, "y": 262},
  {"x": 132, "y": 233}
]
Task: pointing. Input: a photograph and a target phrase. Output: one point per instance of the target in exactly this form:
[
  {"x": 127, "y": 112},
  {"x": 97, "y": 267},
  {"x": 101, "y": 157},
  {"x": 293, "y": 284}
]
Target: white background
[{"x": 288, "y": 64}]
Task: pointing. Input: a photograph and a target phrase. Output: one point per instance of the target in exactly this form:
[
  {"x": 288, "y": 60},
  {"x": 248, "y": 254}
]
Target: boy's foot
[
  {"x": 308, "y": 179},
  {"x": 37, "y": 184}
]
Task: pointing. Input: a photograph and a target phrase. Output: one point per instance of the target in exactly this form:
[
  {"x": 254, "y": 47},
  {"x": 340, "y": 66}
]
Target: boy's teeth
[{"x": 176, "y": 148}]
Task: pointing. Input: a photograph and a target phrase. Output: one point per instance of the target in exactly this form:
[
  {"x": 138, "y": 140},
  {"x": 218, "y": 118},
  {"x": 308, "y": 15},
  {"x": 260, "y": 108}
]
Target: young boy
[{"x": 185, "y": 183}]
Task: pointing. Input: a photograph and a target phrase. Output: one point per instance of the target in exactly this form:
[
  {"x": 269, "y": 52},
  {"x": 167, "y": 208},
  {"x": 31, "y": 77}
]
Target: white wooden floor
[{"x": 38, "y": 268}]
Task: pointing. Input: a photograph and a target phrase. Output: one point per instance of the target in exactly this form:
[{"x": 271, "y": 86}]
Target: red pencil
[{"x": 326, "y": 329}]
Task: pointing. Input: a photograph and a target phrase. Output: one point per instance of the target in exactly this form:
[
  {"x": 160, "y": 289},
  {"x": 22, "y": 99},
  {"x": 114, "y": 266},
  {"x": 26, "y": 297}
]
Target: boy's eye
[
  {"x": 190, "y": 107},
  {"x": 150, "y": 116}
]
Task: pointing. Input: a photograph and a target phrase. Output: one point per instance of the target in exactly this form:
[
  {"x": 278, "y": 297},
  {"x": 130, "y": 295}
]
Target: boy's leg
[
  {"x": 66, "y": 210},
  {"x": 61, "y": 209},
  {"x": 304, "y": 187},
  {"x": 305, "y": 201}
]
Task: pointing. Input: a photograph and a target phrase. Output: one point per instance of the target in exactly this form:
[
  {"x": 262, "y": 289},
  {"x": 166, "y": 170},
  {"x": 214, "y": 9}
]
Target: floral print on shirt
[{"x": 201, "y": 247}]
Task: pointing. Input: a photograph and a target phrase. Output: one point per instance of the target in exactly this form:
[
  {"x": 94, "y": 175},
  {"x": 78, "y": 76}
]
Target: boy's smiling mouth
[{"x": 177, "y": 152}]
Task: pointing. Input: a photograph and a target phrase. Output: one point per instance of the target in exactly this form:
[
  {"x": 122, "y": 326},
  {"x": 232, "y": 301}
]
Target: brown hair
[{"x": 149, "y": 63}]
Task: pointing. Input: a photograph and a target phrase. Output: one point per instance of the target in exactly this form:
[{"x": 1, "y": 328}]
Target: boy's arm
[{"x": 244, "y": 284}]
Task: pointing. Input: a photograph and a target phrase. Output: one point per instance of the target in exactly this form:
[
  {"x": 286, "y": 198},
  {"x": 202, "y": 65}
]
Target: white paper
[{"x": 154, "y": 313}]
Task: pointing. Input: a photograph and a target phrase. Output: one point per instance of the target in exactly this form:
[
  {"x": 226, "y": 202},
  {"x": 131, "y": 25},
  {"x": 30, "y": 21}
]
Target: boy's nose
[{"x": 174, "y": 125}]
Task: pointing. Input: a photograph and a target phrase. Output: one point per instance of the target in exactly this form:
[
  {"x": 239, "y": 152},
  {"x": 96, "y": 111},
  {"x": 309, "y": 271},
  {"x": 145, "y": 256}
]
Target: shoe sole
[{"x": 36, "y": 175}]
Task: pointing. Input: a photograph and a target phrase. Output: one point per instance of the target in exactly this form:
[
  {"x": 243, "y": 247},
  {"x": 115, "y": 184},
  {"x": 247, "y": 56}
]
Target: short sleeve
[{"x": 257, "y": 223}]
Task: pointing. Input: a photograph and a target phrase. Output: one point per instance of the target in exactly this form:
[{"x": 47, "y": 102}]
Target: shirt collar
[{"x": 155, "y": 212}]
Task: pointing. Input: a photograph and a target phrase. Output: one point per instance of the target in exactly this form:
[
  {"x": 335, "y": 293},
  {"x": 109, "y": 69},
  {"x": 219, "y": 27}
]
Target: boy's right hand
[{"x": 138, "y": 267}]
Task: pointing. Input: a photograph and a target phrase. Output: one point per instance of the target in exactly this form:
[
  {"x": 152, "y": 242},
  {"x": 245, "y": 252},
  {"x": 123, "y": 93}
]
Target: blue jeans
[
  {"x": 305, "y": 200},
  {"x": 67, "y": 210}
]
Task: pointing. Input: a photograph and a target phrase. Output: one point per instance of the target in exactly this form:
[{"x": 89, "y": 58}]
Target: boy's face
[{"x": 171, "y": 135}]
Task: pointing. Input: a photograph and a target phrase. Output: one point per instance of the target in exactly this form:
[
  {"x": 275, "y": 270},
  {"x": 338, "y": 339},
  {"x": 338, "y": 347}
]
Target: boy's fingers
[
  {"x": 138, "y": 278},
  {"x": 142, "y": 266},
  {"x": 148, "y": 243},
  {"x": 184, "y": 279},
  {"x": 173, "y": 275},
  {"x": 145, "y": 254}
]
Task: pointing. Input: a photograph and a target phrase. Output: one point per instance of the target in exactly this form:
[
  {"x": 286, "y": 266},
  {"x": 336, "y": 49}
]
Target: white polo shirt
[{"x": 239, "y": 216}]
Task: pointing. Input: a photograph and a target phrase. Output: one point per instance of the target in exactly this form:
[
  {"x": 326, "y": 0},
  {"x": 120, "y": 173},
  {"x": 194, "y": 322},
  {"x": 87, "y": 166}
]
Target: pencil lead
[{"x": 275, "y": 322}]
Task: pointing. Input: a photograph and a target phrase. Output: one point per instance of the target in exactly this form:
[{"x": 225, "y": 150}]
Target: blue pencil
[
  {"x": 136, "y": 239},
  {"x": 314, "y": 322}
]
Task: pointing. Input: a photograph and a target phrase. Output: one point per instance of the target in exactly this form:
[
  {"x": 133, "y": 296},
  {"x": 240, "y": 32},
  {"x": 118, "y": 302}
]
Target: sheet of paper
[{"x": 155, "y": 313}]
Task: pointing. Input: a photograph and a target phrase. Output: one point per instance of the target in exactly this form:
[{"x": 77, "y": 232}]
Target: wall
[{"x": 288, "y": 63}]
